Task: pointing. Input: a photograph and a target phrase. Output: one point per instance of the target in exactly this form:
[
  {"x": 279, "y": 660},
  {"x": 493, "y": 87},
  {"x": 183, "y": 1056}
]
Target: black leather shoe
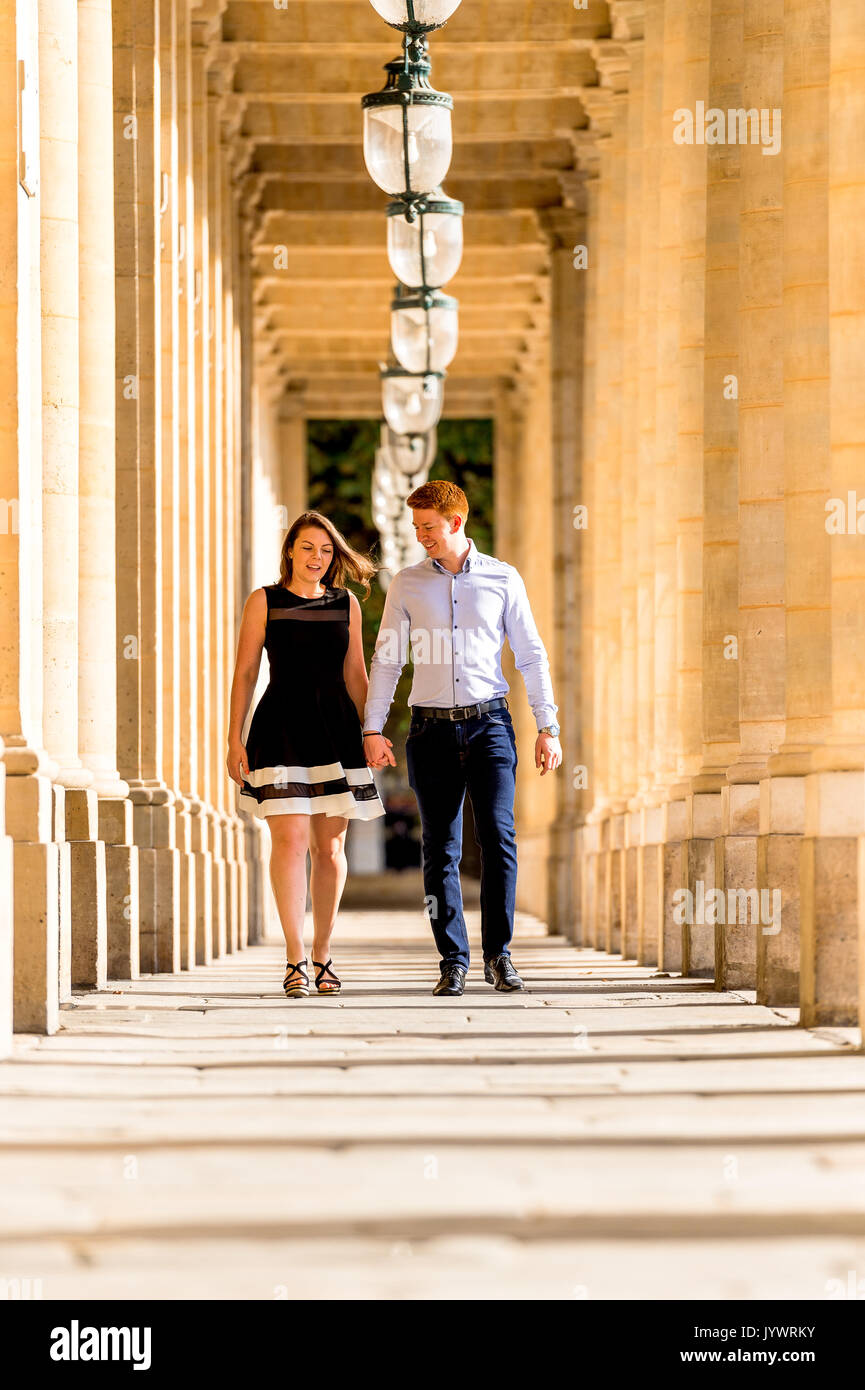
[
  {"x": 501, "y": 972},
  {"x": 453, "y": 980}
]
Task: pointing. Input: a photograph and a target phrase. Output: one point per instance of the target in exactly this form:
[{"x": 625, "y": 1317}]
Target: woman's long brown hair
[{"x": 347, "y": 563}]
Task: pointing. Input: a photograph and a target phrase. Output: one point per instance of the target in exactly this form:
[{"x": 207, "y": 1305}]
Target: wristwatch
[{"x": 552, "y": 729}]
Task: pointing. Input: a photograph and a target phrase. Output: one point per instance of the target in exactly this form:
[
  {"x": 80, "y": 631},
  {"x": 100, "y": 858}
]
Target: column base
[
  {"x": 200, "y": 835},
  {"x": 782, "y": 822},
  {"x": 704, "y": 828},
  {"x": 89, "y": 890},
  {"x": 37, "y": 898},
  {"x": 673, "y": 879},
  {"x": 736, "y": 878},
  {"x": 122, "y": 888},
  {"x": 158, "y": 883},
  {"x": 649, "y": 886},
  {"x": 831, "y": 867}
]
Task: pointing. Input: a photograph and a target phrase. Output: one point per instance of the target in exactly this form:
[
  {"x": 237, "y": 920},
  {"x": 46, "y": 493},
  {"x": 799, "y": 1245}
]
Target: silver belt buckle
[{"x": 453, "y": 714}]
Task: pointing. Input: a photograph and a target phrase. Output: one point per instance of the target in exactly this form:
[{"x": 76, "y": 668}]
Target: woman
[{"x": 303, "y": 766}]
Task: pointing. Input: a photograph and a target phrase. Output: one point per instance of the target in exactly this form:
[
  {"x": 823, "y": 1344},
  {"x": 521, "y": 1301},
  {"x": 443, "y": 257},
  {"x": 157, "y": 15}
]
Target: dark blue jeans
[{"x": 446, "y": 760}]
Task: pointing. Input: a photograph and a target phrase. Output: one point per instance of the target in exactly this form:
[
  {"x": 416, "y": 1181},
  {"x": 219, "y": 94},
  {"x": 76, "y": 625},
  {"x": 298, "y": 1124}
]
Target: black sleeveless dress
[{"x": 304, "y": 747}]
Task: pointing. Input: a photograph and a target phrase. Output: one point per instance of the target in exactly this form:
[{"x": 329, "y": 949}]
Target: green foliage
[{"x": 340, "y": 458}]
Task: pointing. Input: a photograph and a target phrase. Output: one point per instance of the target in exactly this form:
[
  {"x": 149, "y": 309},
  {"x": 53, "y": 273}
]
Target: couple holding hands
[{"x": 317, "y": 731}]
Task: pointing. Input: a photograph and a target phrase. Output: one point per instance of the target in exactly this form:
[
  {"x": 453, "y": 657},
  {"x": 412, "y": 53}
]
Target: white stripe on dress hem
[
  {"x": 340, "y": 804},
  {"x": 326, "y": 772}
]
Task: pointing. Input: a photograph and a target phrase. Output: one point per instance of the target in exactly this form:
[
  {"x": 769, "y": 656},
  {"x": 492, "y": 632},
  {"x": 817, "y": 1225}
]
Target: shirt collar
[{"x": 468, "y": 562}]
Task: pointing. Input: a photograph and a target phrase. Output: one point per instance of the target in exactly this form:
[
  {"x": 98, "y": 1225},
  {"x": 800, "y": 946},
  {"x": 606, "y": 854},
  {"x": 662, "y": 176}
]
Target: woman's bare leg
[
  {"x": 289, "y": 839},
  {"x": 327, "y": 879}
]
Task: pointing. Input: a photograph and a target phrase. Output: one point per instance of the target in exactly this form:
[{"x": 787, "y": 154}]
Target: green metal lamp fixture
[
  {"x": 425, "y": 240},
  {"x": 407, "y": 133},
  {"x": 412, "y": 401},
  {"x": 424, "y": 329},
  {"x": 415, "y": 16}
]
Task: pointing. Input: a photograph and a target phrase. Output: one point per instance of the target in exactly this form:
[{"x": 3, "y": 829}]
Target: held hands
[
  {"x": 238, "y": 767},
  {"x": 378, "y": 751},
  {"x": 548, "y": 753}
]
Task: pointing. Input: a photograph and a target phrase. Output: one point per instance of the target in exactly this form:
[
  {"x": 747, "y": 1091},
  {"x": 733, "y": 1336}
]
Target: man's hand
[
  {"x": 378, "y": 751},
  {"x": 548, "y": 753}
]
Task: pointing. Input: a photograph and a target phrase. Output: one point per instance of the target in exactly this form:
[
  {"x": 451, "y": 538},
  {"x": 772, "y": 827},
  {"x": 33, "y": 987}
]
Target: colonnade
[
  {"x": 126, "y": 441},
  {"x": 678, "y": 453},
  {"x": 722, "y": 602}
]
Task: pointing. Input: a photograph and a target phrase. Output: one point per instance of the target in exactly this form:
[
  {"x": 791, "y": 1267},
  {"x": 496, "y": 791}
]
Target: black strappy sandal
[
  {"x": 299, "y": 988},
  {"x": 331, "y": 986}
]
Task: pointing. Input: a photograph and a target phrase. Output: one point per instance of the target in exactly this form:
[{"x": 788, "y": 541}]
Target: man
[{"x": 456, "y": 608}]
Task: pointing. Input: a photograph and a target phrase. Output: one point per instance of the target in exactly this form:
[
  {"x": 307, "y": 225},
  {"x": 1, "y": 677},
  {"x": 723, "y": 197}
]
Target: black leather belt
[{"x": 459, "y": 711}]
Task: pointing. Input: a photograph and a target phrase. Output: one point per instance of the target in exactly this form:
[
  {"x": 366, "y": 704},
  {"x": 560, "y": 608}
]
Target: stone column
[
  {"x": 58, "y": 277},
  {"x": 606, "y": 555},
  {"x": 832, "y": 859},
  {"x": 58, "y": 139},
  {"x": 231, "y": 512},
  {"x": 673, "y": 829},
  {"x": 609, "y": 110},
  {"x": 185, "y": 597},
  {"x": 720, "y": 375},
  {"x": 175, "y": 889},
  {"x": 615, "y": 481},
  {"x": 39, "y": 864},
  {"x": 140, "y": 191},
  {"x": 761, "y": 497},
  {"x": 807, "y": 546},
  {"x": 104, "y": 858},
  {"x": 201, "y": 808},
  {"x": 630, "y": 617},
  {"x": 584, "y": 771},
  {"x": 702, "y": 811},
  {"x": 565, "y": 228},
  {"x": 292, "y": 439},
  {"x": 216, "y": 637},
  {"x": 649, "y": 854}
]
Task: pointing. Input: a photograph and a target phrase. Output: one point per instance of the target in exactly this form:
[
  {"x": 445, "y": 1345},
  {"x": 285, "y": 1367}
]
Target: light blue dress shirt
[{"x": 455, "y": 625}]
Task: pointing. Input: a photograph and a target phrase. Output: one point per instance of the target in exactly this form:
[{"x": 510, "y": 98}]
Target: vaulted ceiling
[{"x": 532, "y": 82}]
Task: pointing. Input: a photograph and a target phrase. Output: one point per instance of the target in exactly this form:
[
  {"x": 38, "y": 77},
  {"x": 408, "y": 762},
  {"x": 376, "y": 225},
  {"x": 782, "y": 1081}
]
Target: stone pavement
[{"x": 611, "y": 1134}]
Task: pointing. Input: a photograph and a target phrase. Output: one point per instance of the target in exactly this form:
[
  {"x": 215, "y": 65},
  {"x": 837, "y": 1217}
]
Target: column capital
[
  {"x": 252, "y": 186},
  {"x": 206, "y": 21},
  {"x": 628, "y": 19},
  {"x": 587, "y": 154},
  {"x": 613, "y": 62},
  {"x": 572, "y": 182},
  {"x": 292, "y": 405},
  {"x": 561, "y": 227},
  {"x": 221, "y": 69},
  {"x": 601, "y": 104}
]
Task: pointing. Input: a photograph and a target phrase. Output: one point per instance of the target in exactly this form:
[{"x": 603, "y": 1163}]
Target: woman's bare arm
[
  {"x": 250, "y": 644},
  {"x": 354, "y": 670}
]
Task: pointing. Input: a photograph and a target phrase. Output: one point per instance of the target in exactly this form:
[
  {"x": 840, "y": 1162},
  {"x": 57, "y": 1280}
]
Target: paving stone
[{"x": 612, "y": 1133}]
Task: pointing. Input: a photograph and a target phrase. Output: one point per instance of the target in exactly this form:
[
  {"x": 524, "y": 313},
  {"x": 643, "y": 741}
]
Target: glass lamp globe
[
  {"x": 407, "y": 132},
  {"x": 415, "y": 16},
  {"x": 412, "y": 402},
  {"x": 410, "y": 454},
  {"x": 424, "y": 330},
  {"x": 425, "y": 240}
]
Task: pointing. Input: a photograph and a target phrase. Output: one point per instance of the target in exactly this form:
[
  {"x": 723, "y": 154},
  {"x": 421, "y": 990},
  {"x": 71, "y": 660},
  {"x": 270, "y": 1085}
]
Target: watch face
[{"x": 554, "y": 730}]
